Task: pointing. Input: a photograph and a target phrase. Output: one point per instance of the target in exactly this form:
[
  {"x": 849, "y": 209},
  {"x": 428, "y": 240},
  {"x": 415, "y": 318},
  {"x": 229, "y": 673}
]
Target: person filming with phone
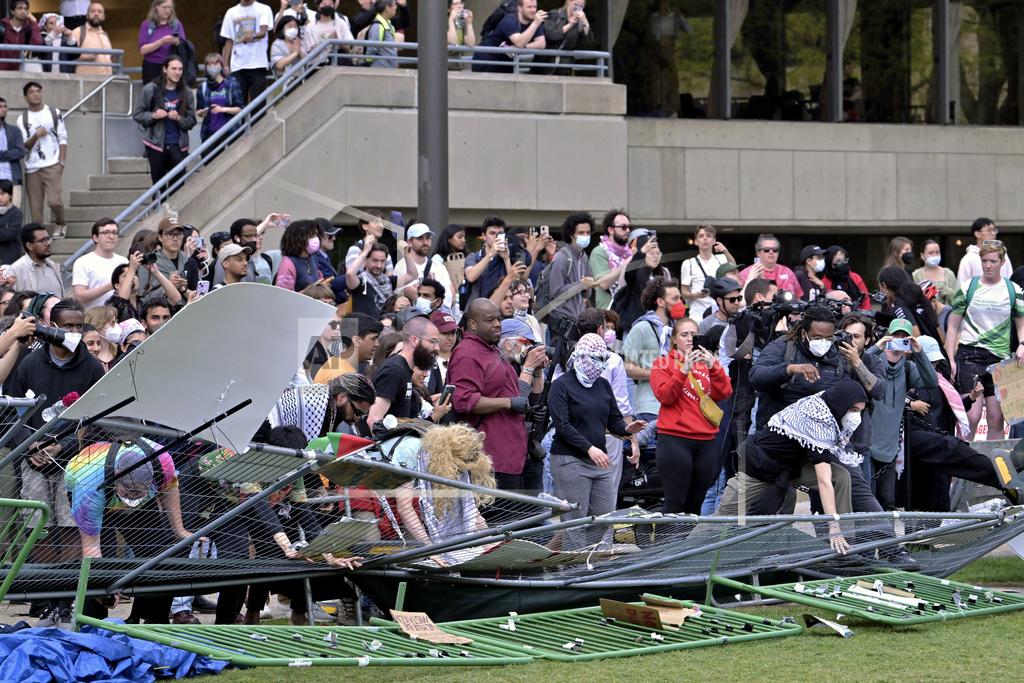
[{"x": 904, "y": 366}]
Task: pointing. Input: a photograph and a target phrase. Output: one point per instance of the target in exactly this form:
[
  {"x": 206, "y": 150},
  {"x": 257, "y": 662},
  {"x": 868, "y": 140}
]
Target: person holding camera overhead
[
  {"x": 898, "y": 348},
  {"x": 125, "y": 279},
  {"x": 583, "y": 407},
  {"x": 688, "y": 383}
]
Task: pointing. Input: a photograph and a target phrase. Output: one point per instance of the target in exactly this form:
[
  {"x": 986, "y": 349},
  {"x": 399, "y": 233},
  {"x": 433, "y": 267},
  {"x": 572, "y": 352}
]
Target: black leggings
[
  {"x": 252, "y": 82},
  {"x": 687, "y": 468}
]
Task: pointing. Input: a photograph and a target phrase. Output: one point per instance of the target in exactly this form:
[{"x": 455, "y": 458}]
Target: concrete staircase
[{"x": 108, "y": 195}]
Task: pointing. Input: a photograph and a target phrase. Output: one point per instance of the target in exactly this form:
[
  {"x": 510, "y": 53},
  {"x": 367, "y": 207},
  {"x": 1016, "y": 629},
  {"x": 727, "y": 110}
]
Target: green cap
[{"x": 901, "y": 325}]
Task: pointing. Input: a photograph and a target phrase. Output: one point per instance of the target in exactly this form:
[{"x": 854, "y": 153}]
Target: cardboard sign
[
  {"x": 419, "y": 626},
  {"x": 672, "y": 613},
  {"x": 640, "y": 615},
  {"x": 1009, "y": 381}
]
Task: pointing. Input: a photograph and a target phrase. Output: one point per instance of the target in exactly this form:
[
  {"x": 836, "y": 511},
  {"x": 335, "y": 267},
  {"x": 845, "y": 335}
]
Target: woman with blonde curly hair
[{"x": 455, "y": 452}]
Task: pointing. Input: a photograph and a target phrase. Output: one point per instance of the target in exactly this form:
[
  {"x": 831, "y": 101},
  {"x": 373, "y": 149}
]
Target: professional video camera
[{"x": 55, "y": 335}]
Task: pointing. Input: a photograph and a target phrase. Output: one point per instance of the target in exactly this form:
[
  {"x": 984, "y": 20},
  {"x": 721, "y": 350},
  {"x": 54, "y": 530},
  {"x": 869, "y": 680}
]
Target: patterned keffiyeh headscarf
[
  {"x": 304, "y": 407},
  {"x": 589, "y": 359},
  {"x": 815, "y": 421}
]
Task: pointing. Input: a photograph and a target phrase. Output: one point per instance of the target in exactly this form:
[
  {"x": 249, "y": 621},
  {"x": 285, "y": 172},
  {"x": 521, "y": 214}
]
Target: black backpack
[
  {"x": 500, "y": 12},
  {"x": 186, "y": 52}
]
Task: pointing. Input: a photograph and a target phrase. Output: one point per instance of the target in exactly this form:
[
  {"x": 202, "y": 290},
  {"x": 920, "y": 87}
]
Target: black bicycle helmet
[{"x": 354, "y": 385}]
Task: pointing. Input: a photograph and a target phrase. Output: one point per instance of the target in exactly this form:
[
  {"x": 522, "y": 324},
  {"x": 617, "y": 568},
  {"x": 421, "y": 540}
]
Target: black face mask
[
  {"x": 327, "y": 12},
  {"x": 251, "y": 245},
  {"x": 841, "y": 269},
  {"x": 907, "y": 257}
]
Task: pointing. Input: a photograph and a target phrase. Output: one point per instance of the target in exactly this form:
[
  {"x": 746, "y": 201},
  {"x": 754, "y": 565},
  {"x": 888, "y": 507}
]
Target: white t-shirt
[
  {"x": 692, "y": 275},
  {"x": 92, "y": 270},
  {"x": 237, "y": 21},
  {"x": 437, "y": 272},
  {"x": 46, "y": 151}
]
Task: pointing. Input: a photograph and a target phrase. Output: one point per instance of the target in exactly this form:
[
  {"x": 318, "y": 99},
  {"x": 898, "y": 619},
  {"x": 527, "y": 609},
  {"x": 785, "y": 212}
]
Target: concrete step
[
  {"x": 127, "y": 165},
  {"x": 89, "y": 214},
  {"x": 80, "y": 230},
  {"x": 120, "y": 198},
  {"x": 65, "y": 247},
  {"x": 120, "y": 181}
]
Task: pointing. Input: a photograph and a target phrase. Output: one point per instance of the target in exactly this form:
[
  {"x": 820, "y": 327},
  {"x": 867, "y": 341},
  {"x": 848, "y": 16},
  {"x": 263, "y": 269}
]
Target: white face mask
[
  {"x": 819, "y": 347},
  {"x": 851, "y": 421},
  {"x": 132, "y": 502},
  {"x": 214, "y": 70},
  {"x": 291, "y": 33},
  {"x": 4, "y": 209},
  {"x": 423, "y": 305},
  {"x": 112, "y": 334},
  {"x": 819, "y": 265},
  {"x": 933, "y": 260}
]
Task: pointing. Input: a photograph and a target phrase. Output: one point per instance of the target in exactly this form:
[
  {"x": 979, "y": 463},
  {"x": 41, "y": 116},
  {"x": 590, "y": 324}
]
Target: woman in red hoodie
[{"x": 686, "y": 457}]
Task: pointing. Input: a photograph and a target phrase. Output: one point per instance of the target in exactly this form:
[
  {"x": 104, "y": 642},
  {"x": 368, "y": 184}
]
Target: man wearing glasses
[
  {"x": 36, "y": 271},
  {"x": 728, "y": 296},
  {"x": 611, "y": 255},
  {"x": 983, "y": 230},
  {"x": 171, "y": 260},
  {"x": 91, "y": 277},
  {"x": 767, "y": 266},
  {"x": 392, "y": 381}
]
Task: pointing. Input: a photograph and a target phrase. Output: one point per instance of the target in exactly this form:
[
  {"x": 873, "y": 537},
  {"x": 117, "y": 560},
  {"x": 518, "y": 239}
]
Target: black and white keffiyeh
[
  {"x": 812, "y": 423},
  {"x": 304, "y": 407}
]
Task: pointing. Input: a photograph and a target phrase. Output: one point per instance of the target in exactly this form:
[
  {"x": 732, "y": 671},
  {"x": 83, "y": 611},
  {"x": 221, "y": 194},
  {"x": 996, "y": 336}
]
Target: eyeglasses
[
  {"x": 627, "y": 226},
  {"x": 992, "y": 243},
  {"x": 335, "y": 324},
  {"x": 176, "y": 235},
  {"x": 107, "y": 233},
  {"x": 732, "y": 299},
  {"x": 45, "y": 240},
  {"x": 772, "y": 250}
]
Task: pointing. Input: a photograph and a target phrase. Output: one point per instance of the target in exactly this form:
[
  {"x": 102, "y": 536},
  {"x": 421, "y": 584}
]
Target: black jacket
[
  {"x": 38, "y": 373},
  {"x": 10, "y": 236},
  {"x": 776, "y": 390}
]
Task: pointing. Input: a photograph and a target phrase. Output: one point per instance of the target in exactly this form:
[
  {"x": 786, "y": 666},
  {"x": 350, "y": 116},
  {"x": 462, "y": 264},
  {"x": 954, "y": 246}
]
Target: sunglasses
[
  {"x": 992, "y": 243},
  {"x": 732, "y": 299},
  {"x": 771, "y": 250}
]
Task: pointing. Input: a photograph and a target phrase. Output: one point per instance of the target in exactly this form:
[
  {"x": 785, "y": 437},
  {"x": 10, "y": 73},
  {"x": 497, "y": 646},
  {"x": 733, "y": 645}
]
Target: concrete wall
[{"x": 814, "y": 177}]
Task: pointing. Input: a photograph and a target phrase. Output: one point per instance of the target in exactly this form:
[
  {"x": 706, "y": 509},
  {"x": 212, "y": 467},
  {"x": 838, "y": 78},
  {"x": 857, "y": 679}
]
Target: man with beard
[
  {"x": 490, "y": 396},
  {"x": 36, "y": 271},
  {"x": 612, "y": 254},
  {"x": 91, "y": 36},
  {"x": 419, "y": 262},
  {"x": 368, "y": 281},
  {"x": 393, "y": 379},
  {"x": 318, "y": 409}
]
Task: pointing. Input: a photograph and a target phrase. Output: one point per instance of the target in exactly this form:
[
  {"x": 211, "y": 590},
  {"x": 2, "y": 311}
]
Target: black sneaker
[
  {"x": 203, "y": 605},
  {"x": 58, "y": 617},
  {"x": 898, "y": 558}
]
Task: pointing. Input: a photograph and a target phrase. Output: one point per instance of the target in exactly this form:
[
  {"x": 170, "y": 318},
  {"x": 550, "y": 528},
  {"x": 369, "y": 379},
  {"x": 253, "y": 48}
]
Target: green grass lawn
[{"x": 982, "y": 648}]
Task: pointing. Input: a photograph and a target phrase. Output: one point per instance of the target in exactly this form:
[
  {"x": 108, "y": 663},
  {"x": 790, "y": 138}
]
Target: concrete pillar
[{"x": 432, "y": 114}]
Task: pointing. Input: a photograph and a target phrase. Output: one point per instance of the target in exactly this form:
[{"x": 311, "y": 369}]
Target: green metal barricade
[
  {"x": 304, "y": 646},
  {"x": 890, "y": 598},
  {"x": 586, "y": 634},
  {"x": 22, "y": 524}
]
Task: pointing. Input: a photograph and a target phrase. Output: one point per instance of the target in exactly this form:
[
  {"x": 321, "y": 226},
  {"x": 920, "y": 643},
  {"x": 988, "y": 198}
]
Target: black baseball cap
[{"x": 809, "y": 251}]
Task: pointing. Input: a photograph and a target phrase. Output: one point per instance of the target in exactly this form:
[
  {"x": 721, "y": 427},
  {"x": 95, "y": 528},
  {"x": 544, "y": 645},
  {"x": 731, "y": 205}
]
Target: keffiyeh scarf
[
  {"x": 810, "y": 423},
  {"x": 304, "y": 407}
]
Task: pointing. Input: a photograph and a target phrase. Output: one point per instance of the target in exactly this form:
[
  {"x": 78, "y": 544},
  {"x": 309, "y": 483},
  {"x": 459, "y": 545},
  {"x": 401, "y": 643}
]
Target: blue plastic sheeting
[{"x": 41, "y": 655}]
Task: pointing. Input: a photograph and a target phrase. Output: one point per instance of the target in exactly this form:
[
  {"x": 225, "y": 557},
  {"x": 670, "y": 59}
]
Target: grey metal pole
[
  {"x": 940, "y": 48},
  {"x": 722, "y": 96},
  {"x": 834, "y": 63},
  {"x": 432, "y": 114}
]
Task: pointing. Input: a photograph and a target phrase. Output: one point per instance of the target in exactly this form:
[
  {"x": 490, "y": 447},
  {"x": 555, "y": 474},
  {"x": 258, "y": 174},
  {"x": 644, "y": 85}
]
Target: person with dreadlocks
[
  {"x": 804, "y": 362},
  {"x": 454, "y": 452},
  {"x": 805, "y": 444}
]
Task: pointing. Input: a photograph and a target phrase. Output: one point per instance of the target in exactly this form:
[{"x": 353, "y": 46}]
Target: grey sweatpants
[{"x": 589, "y": 486}]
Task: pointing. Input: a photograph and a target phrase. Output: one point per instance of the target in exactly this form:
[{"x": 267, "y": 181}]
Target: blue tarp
[{"x": 41, "y": 655}]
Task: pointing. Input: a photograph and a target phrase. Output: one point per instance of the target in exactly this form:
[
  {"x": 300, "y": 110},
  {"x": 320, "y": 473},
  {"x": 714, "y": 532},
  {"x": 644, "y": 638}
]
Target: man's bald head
[
  {"x": 838, "y": 295},
  {"x": 418, "y": 326},
  {"x": 484, "y": 320}
]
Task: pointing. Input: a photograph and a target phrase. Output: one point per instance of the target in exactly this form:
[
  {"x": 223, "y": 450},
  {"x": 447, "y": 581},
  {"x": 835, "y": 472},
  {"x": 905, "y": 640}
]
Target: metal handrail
[
  {"x": 102, "y": 90},
  {"x": 22, "y": 58},
  {"x": 292, "y": 78}
]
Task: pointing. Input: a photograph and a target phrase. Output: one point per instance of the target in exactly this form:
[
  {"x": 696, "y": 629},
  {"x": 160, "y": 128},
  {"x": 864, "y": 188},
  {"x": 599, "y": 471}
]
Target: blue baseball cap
[{"x": 514, "y": 327}]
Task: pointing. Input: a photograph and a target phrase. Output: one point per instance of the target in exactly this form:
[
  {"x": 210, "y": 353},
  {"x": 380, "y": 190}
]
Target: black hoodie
[{"x": 38, "y": 373}]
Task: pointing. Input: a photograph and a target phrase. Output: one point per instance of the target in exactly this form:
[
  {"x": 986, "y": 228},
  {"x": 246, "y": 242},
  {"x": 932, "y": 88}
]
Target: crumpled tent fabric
[{"x": 42, "y": 655}]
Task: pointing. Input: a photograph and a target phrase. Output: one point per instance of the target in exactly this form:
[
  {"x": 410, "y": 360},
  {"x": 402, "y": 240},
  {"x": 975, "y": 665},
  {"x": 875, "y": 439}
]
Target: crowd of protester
[{"x": 574, "y": 358}]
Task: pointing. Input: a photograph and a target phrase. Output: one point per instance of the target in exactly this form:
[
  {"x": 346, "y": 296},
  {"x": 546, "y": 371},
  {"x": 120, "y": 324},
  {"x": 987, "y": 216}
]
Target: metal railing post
[{"x": 103, "y": 131}]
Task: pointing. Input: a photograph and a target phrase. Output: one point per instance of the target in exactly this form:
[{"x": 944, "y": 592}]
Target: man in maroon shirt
[
  {"x": 19, "y": 29},
  {"x": 488, "y": 394}
]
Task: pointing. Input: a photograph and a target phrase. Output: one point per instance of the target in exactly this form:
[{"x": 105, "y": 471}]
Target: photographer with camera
[
  {"x": 904, "y": 367},
  {"x": 126, "y": 286},
  {"x": 517, "y": 342},
  {"x": 490, "y": 396}
]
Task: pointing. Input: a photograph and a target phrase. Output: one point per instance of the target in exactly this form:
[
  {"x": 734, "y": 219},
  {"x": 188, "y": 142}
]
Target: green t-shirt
[
  {"x": 987, "y": 320},
  {"x": 599, "y": 267},
  {"x": 642, "y": 347}
]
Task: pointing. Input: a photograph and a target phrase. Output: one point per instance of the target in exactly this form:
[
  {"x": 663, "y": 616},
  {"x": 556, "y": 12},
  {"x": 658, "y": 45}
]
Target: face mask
[
  {"x": 522, "y": 315},
  {"x": 327, "y": 12},
  {"x": 582, "y": 241},
  {"x": 677, "y": 311},
  {"x": 54, "y": 35},
  {"x": 214, "y": 70},
  {"x": 933, "y": 260},
  {"x": 851, "y": 421},
  {"x": 251, "y": 245},
  {"x": 819, "y": 265},
  {"x": 588, "y": 369},
  {"x": 112, "y": 334},
  {"x": 423, "y": 305},
  {"x": 819, "y": 347},
  {"x": 841, "y": 269},
  {"x": 907, "y": 257},
  {"x": 610, "y": 338},
  {"x": 4, "y": 209},
  {"x": 291, "y": 33},
  {"x": 313, "y": 245}
]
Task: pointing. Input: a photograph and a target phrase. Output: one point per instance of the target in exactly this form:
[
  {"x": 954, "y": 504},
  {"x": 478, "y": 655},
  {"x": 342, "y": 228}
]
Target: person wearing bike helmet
[
  {"x": 317, "y": 409},
  {"x": 351, "y": 395}
]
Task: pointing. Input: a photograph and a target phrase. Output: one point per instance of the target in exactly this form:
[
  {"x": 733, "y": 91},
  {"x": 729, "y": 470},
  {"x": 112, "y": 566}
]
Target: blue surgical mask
[
  {"x": 933, "y": 260},
  {"x": 582, "y": 241}
]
